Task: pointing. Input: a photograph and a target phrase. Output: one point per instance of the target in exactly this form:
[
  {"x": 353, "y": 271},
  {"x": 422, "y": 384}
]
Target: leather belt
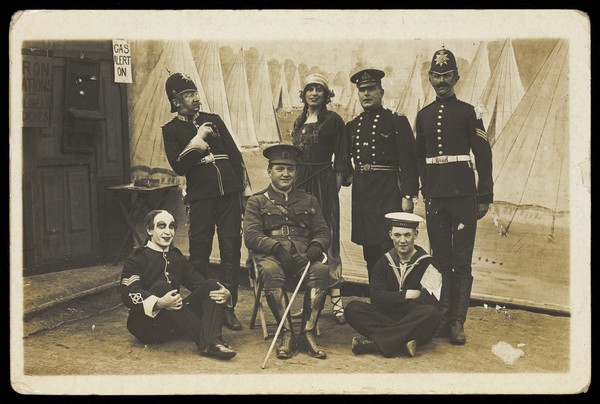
[
  {"x": 213, "y": 157},
  {"x": 447, "y": 159},
  {"x": 376, "y": 167},
  {"x": 286, "y": 230}
]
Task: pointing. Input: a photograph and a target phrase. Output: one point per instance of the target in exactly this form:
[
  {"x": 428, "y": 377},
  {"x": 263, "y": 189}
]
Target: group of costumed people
[{"x": 292, "y": 228}]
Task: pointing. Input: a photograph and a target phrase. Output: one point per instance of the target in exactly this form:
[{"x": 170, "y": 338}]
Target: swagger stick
[{"x": 285, "y": 313}]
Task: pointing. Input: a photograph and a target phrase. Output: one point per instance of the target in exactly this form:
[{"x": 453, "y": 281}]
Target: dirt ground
[{"x": 89, "y": 337}]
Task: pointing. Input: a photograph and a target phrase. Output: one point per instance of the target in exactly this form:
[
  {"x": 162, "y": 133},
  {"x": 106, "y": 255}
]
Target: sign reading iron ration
[{"x": 37, "y": 91}]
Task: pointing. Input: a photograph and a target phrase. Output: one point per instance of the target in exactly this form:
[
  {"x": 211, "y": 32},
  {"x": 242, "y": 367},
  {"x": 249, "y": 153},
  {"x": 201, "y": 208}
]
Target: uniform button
[
  {"x": 359, "y": 123},
  {"x": 440, "y": 145},
  {"x": 358, "y": 151},
  {"x": 439, "y": 131},
  {"x": 360, "y": 118},
  {"x": 377, "y": 116},
  {"x": 440, "y": 111},
  {"x": 365, "y": 143},
  {"x": 439, "y": 117},
  {"x": 439, "y": 124},
  {"x": 373, "y": 154},
  {"x": 439, "y": 138},
  {"x": 358, "y": 144},
  {"x": 374, "y": 126},
  {"x": 373, "y": 133},
  {"x": 440, "y": 152},
  {"x": 357, "y": 130},
  {"x": 375, "y": 120},
  {"x": 358, "y": 157},
  {"x": 286, "y": 219},
  {"x": 372, "y": 147},
  {"x": 442, "y": 106}
]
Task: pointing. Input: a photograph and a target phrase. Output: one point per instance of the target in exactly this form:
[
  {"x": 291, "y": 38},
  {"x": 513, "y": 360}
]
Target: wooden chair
[{"x": 257, "y": 286}]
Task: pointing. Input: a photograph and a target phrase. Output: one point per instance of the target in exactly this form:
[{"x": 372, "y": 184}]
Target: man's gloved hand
[
  {"x": 314, "y": 252},
  {"x": 287, "y": 260}
]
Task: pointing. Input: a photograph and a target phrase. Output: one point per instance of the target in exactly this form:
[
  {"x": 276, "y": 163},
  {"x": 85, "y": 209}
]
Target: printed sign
[
  {"x": 122, "y": 61},
  {"x": 37, "y": 91}
]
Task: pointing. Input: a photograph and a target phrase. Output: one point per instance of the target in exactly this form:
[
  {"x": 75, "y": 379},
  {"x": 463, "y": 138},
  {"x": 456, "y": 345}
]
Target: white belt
[{"x": 447, "y": 159}]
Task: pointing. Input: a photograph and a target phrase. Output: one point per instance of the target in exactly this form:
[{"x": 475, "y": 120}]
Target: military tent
[
  {"x": 502, "y": 93},
  {"x": 240, "y": 105},
  {"x": 211, "y": 73},
  {"x": 412, "y": 98},
  {"x": 294, "y": 90},
  {"x": 281, "y": 94},
  {"x": 531, "y": 155},
  {"x": 470, "y": 87},
  {"x": 267, "y": 128}
]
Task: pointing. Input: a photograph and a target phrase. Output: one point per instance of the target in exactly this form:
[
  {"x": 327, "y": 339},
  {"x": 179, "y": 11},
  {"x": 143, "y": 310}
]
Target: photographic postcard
[{"x": 526, "y": 71}]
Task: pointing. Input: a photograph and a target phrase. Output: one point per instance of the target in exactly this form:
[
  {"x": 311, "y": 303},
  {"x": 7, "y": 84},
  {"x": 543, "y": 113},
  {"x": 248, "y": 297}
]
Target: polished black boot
[
  {"x": 461, "y": 295},
  {"x": 443, "y": 330},
  {"x": 314, "y": 299},
  {"x": 277, "y": 301},
  {"x": 229, "y": 269}
]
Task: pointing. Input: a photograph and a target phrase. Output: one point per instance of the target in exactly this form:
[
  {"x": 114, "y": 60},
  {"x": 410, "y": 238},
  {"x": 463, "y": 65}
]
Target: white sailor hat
[{"x": 404, "y": 219}]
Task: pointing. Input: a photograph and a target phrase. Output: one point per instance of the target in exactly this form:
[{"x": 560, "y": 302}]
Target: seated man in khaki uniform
[{"x": 285, "y": 229}]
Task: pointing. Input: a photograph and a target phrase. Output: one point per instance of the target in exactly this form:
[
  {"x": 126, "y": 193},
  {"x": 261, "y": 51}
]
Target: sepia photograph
[{"x": 300, "y": 202}]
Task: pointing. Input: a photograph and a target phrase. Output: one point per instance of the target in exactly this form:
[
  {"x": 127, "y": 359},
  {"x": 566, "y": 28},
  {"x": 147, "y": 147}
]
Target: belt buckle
[
  {"x": 366, "y": 167},
  {"x": 441, "y": 159},
  {"x": 285, "y": 230}
]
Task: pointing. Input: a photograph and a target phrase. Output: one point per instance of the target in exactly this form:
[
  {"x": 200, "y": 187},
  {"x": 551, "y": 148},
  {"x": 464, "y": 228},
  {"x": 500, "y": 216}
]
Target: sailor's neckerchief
[{"x": 404, "y": 269}]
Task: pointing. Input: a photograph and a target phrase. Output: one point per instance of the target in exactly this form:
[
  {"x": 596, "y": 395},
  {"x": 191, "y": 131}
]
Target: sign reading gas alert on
[{"x": 122, "y": 61}]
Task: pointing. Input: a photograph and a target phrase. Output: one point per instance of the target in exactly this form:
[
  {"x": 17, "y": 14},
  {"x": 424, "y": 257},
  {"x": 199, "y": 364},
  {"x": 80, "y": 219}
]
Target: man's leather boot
[
  {"x": 277, "y": 301},
  {"x": 314, "y": 299}
]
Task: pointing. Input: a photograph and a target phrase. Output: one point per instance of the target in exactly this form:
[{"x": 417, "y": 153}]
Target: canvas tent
[
  {"x": 470, "y": 87},
  {"x": 211, "y": 74},
  {"x": 152, "y": 109},
  {"x": 531, "y": 164},
  {"x": 267, "y": 128},
  {"x": 294, "y": 90},
  {"x": 281, "y": 94},
  {"x": 240, "y": 105},
  {"x": 502, "y": 93},
  {"x": 412, "y": 97}
]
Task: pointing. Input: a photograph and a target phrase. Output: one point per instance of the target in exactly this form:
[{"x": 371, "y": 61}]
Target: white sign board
[{"x": 122, "y": 61}]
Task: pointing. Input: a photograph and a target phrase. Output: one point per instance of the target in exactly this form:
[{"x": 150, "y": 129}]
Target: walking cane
[{"x": 285, "y": 313}]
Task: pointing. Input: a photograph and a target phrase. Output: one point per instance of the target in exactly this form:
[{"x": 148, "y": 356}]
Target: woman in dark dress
[{"x": 324, "y": 163}]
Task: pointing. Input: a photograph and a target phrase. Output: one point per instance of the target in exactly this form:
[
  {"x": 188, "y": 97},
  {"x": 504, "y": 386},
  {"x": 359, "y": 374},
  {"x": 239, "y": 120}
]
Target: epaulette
[
  {"x": 260, "y": 192},
  {"x": 466, "y": 103},
  {"x": 168, "y": 122},
  {"x": 428, "y": 105},
  {"x": 138, "y": 250}
]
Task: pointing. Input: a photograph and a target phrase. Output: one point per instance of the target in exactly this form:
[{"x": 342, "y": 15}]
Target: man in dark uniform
[
  {"x": 405, "y": 289},
  {"x": 285, "y": 229},
  {"x": 385, "y": 177},
  {"x": 151, "y": 288},
  {"x": 448, "y": 132},
  {"x": 199, "y": 146}
]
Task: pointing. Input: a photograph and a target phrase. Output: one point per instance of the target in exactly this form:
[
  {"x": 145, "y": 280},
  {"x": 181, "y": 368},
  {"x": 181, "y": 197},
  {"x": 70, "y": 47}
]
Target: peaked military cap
[
  {"x": 367, "y": 77},
  {"x": 403, "y": 219},
  {"x": 443, "y": 61},
  {"x": 282, "y": 154},
  {"x": 176, "y": 84}
]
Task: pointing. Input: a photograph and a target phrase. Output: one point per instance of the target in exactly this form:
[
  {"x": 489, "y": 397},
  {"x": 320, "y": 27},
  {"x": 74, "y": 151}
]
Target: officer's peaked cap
[
  {"x": 176, "y": 84},
  {"x": 367, "y": 77},
  {"x": 443, "y": 61},
  {"x": 282, "y": 154},
  {"x": 403, "y": 219}
]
